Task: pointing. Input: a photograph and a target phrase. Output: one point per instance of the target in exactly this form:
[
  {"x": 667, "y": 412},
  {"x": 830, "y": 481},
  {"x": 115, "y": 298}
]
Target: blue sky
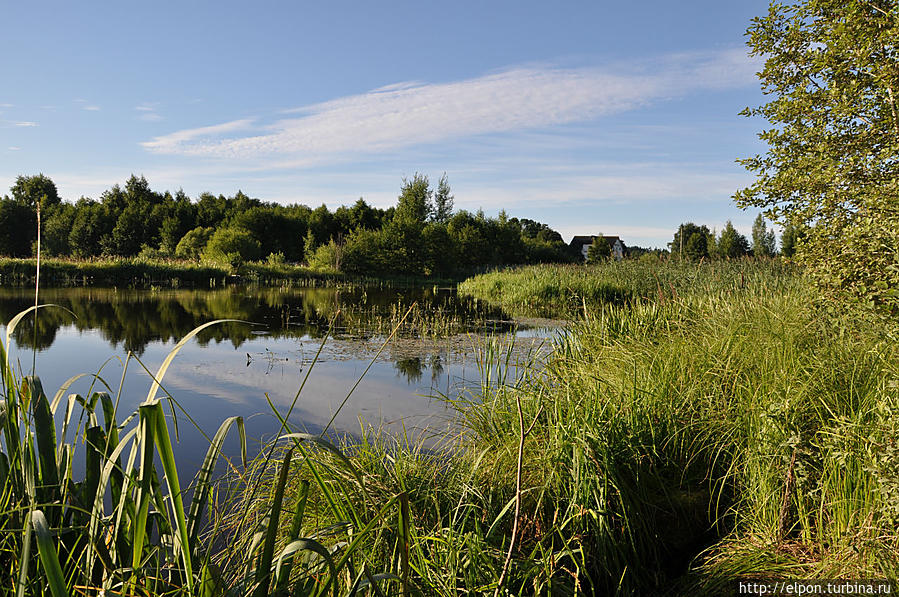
[{"x": 589, "y": 116}]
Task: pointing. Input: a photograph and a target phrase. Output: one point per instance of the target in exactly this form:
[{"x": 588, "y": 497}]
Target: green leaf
[
  {"x": 48, "y": 555},
  {"x": 167, "y": 456},
  {"x": 263, "y": 569},
  {"x": 204, "y": 477}
]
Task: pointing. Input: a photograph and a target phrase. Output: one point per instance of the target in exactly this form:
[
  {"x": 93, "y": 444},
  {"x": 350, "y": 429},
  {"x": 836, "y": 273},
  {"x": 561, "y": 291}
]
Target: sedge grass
[{"x": 729, "y": 430}]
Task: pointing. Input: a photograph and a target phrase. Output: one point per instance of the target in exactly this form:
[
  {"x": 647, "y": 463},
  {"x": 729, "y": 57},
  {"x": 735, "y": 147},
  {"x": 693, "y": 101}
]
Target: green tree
[
  {"x": 232, "y": 246},
  {"x": 327, "y": 257},
  {"x": 57, "y": 225},
  {"x": 128, "y": 234},
  {"x": 180, "y": 216},
  {"x": 470, "y": 239},
  {"x": 832, "y": 166},
  {"x": 731, "y": 243},
  {"x": 691, "y": 241},
  {"x": 193, "y": 243},
  {"x": 91, "y": 223},
  {"x": 31, "y": 190},
  {"x": 599, "y": 250},
  {"x": 211, "y": 210},
  {"x": 440, "y": 257},
  {"x": 697, "y": 246},
  {"x": 415, "y": 204},
  {"x": 762, "y": 238},
  {"x": 789, "y": 240},
  {"x": 443, "y": 201},
  {"x": 308, "y": 245},
  {"x": 18, "y": 226},
  {"x": 365, "y": 252}
]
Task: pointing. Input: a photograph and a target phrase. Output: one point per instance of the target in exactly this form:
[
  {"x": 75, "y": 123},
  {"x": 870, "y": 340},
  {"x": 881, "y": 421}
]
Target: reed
[
  {"x": 143, "y": 272},
  {"x": 731, "y": 427},
  {"x": 569, "y": 290}
]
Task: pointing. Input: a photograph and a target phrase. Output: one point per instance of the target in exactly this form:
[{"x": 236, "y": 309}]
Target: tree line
[
  {"x": 421, "y": 235},
  {"x": 696, "y": 242}
]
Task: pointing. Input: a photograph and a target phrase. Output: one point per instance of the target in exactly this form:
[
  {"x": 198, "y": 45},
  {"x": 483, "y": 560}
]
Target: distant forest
[{"x": 421, "y": 235}]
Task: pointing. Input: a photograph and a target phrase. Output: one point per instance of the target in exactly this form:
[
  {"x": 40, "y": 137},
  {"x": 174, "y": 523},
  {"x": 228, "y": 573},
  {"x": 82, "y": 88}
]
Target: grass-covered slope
[
  {"x": 729, "y": 429},
  {"x": 569, "y": 290}
]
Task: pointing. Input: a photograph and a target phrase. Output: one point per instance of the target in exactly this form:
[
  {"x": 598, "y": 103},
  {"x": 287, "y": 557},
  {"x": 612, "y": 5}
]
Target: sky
[{"x": 593, "y": 117}]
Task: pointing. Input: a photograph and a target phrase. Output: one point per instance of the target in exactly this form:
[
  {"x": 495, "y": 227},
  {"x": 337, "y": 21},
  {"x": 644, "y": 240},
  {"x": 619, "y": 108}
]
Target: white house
[{"x": 582, "y": 243}]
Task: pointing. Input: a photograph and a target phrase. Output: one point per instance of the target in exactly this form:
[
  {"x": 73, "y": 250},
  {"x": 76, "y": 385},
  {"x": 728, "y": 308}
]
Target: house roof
[{"x": 578, "y": 241}]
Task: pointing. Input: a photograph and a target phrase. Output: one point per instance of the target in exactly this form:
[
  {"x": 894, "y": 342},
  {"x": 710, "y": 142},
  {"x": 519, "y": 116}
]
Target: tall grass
[
  {"x": 570, "y": 290},
  {"x": 125, "y": 525},
  {"x": 730, "y": 431},
  {"x": 726, "y": 431},
  {"x": 144, "y": 272}
]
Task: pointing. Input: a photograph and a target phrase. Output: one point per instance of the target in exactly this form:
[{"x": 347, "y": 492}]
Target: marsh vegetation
[{"x": 722, "y": 423}]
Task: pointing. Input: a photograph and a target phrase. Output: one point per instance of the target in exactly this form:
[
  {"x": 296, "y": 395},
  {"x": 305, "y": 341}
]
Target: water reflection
[
  {"x": 240, "y": 369},
  {"x": 132, "y": 319}
]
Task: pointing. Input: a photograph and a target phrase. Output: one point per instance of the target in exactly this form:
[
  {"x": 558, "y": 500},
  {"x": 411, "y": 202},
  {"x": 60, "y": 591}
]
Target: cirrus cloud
[{"x": 405, "y": 114}]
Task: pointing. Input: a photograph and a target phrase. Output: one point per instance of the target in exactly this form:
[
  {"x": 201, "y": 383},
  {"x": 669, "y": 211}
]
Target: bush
[
  {"x": 327, "y": 257},
  {"x": 192, "y": 244},
  {"x": 233, "y": 247}
]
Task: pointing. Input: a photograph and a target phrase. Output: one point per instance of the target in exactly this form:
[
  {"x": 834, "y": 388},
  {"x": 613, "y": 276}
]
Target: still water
[{"x": 327, "y": 336}]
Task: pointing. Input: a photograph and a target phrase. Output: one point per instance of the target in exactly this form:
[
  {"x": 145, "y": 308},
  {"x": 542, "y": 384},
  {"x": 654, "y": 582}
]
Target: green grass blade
[
  {"x": 48, "y": 555},
  {"x": 11, "y": 326},
  {"x": 95, "y": 440},
  {"x": 263, "y": 569},
  {"x": 306, "y": 545},
  {"x": 62, "y": 390},
  {"x": 4, "y": 472},
  {"x": 296, "y": 526},
  {"x": 139, "y": 530},
  {"x": 45, "y": 436},
  {"x": 320, "y": 441},
  {"x": 201, "y": 491},
  {"x": 167, "y": 456},
  {"x": 122, "y": 506},
  {"x": 24, "y": 558},
  {"x": 405, "y": 535}
]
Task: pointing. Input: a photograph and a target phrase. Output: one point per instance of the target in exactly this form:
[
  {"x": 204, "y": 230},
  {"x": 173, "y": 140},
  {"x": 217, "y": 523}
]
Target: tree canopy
[
  {"x": 421, "y": 235},
  {"x": 692, "y": 241},
  {"x": 731, "y": 243},
  {"x": 762, "y": 238},
  {"x": 832, "y": 166}
]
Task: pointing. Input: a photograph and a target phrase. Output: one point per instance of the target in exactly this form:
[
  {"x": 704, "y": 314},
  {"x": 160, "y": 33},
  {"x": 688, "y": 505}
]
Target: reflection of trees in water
[
  {"x": 410, "y": 368},
  {"x": 413, "y": 368},
  {"x": 135, "y": 318}
]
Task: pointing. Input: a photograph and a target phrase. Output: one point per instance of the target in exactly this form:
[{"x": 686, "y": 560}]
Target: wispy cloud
[
  {"x": 169, "y": 143},
  {"x": 148, "y": 112},
  {"x": 611, "y": 184},
  {"x": 406, "y": 114},
  {"x": 86, "y": 105},
  {"x": 12, "y": 148},
  {"x": 25, "y": 123}
]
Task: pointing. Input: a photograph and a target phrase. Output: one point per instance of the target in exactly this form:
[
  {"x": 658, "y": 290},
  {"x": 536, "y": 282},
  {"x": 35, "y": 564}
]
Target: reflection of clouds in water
[
  {"x": 206, "y": 376},
  {"x": 231, "y": 367}
]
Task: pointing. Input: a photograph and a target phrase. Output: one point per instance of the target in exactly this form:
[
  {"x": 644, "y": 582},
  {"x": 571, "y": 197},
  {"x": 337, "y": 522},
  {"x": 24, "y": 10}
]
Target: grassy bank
[
  {"x": 732, "y": 430},
  {"x": 672, "y": 446},
  {"x": 138, "y": 272},
  {"x": 567, "y": 290}
]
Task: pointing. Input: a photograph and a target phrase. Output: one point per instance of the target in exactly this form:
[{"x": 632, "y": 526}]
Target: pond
[{"x": 327, "y": 336}]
